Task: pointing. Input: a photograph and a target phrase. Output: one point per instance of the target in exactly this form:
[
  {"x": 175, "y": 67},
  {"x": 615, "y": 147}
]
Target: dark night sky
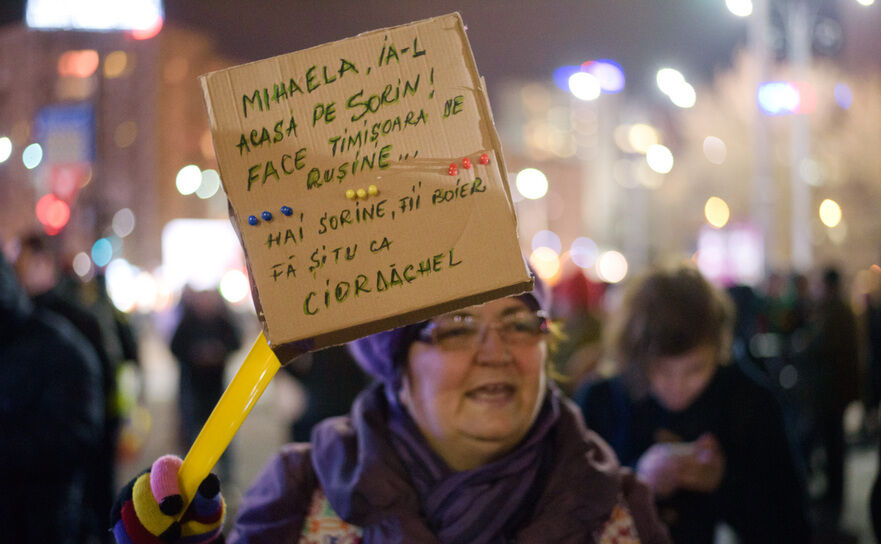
[{"x": 515, "y": 38}]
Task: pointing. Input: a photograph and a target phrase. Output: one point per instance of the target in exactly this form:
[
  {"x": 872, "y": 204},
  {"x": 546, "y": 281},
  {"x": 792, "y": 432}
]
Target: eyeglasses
[{"x": 464, "y": 331}]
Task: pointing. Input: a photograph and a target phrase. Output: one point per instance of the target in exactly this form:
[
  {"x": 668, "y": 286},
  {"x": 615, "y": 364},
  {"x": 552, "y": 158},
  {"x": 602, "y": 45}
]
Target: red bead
[
  {"x": 453, "y": 169},
  {"x": 466, "y": 162},
  {"x": 484, "y": 159}
]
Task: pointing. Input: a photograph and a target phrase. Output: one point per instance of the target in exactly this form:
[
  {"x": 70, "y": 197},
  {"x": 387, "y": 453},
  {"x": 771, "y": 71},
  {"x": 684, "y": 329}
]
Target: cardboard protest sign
[{"x": 366, "y": 182}]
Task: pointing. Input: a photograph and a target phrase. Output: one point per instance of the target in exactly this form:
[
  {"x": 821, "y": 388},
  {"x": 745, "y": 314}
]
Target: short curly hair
[{"x": 667, "y": 312}]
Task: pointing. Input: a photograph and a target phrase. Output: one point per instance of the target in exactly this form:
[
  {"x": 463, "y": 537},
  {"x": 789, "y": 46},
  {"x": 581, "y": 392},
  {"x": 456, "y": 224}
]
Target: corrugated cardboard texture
[{"x": 393, "y": 109}]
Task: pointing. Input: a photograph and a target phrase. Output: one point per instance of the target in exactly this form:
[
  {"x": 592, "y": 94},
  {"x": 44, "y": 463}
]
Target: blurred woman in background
[{"x": 707, "y": 438}]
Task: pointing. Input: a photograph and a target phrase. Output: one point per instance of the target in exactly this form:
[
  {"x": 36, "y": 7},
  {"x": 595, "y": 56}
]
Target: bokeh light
[
  {"x": 5, "y": 148},
  {"x": 641, "y": 137},
  {"x": 78, "y": 63},
  {"x": 209, "y": 185},
  {"x": 684, "y": 96},
  {"x": 125, "y": 134},
  {"x": 561, "y": 77},
  {"x": 32, "y": 156},
  {"x": 830, "y": 213},
  {"x": 121, "y": 283},
  {"x": 123, "y": 222},
  {"x": 843, "y": 95},
  {"x": 583, "y": 252},
  {"x": 53, "y": 213},
  {"x": 778, "y": 97},
  {"x": 146, "y": 291},
  {"x": 741, "y": 8},
  {"x": 150, "y": 28},
  {"x": 102, "y": 252},
  {"x": 611, "y": 267},
  {"x": 545, "y": 261},
  {"x": 608, "y": 72},
  {"x": 659, "y": 158},
  {"x": 547, "y": 238},
  {"x": 585, "y": 86},
  {"x": 234, "y": 286},
  {"x": 669, "y": 80},
  {"x": 82, "y": 264},
  {"x": 115, "y": 64},
  {"x": 717, "y": 212},
  {"x": 532, "y": 183},
  {"x": 188, "y": 179},
  {"x": 715, "y": 150}
]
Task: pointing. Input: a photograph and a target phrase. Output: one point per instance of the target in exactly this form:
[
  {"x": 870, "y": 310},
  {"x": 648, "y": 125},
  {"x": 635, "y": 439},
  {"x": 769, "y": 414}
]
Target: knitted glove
[{"x": 146, "y": 508}]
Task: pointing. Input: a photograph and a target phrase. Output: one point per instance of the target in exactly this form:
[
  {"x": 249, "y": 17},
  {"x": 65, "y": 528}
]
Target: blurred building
[{"x": 116, "y": 118}]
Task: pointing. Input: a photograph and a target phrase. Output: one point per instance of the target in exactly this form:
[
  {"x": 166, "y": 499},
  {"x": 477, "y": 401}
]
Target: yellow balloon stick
[{"x": 258, "y": 368}]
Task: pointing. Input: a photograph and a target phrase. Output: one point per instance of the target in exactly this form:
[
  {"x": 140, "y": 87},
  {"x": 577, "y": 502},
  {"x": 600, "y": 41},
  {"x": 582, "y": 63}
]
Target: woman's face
[
  {"x": 475, "y": 403},
  {"x": 677, "y": 381}
]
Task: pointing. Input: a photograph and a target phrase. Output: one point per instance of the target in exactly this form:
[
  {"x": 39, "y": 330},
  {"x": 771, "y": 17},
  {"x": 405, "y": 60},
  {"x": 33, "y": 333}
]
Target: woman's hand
[
  {"x": 703, "y": 469},
  {"x": 147, "y": 509},
  {"x": 659, "y": 469}
]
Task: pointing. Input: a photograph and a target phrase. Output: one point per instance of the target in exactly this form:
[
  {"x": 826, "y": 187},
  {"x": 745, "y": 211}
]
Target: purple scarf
[{"x": 379, "y": 474}]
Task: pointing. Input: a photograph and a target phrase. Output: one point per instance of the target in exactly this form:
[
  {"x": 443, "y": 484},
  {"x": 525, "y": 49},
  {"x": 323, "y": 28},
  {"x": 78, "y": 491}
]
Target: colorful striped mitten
[{"x": 146, "y": 509}]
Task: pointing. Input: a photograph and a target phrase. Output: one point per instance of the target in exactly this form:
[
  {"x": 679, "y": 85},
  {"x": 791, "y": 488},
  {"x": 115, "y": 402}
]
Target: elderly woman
[
  {"x": 461, "y": 439},
  {"x": 705, "y": 436}
]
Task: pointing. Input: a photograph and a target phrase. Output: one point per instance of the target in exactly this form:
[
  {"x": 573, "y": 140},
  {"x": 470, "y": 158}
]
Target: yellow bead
[
  {"x": 350, "y": 194},
  {"x": 362, "y": 193},
  {"x": 372, "y": 190}
]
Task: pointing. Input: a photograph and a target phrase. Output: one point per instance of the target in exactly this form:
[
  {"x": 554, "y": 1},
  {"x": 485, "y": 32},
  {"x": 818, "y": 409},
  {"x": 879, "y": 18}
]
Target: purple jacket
[{"x": 561, "y": 484}]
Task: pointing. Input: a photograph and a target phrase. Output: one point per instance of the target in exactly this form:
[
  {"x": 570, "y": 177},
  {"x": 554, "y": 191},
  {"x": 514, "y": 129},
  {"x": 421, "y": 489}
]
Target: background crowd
[{"x": 770, "y": 385}]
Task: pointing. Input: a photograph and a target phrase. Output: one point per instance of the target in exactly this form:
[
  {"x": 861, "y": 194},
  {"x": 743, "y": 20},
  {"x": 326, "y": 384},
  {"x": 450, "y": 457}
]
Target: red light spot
[
  {"x": 148, "y": 32},
  {"x": 78, "y": 63},
  {"x": 52, "y": 213},
  {"x": 807, "y": 98}
]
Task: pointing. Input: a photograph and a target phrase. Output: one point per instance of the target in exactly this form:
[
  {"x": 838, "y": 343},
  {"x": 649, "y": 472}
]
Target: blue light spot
[
  {"x": 562, "y": 75},
  {"x": 608, "y": 72},
  {"x": 843, "y": 95},
  {"x": 102, "y": 252}
]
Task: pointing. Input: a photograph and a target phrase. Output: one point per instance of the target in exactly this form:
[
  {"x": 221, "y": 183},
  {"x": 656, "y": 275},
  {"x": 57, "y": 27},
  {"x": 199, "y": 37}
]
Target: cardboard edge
[
  {"x": 287, "y": 352},
  {"x": 359, "y": 35}
]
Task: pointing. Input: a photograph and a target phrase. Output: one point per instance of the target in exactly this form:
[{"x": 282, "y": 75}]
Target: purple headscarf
[{"x": 381, "y": 355}]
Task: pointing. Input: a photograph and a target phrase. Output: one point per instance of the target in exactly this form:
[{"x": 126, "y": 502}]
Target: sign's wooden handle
[{"x": 241, "y": 395}]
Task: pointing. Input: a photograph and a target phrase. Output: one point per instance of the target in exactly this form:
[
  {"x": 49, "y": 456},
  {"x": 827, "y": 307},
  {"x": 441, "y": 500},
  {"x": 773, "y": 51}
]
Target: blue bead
[
  {"x": 267, "y": 216},
  {"x": 286, "y": 210},
  {"x": 252, "y": 220}
]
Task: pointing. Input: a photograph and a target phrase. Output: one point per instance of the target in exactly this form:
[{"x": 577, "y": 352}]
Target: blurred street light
[
  {"x": 672, "y": 83},
  {"x": 830, "y": 213},
  {"x": 585, "y": 86},
  {"x": 659, "y": 158},
  {"x": 641, "y": 137},
  {"x": 188, "y": 179},
  {"x": 612, "y": 266},
  {"x": 532, "y": 183},
  {"x": 32, "y": 156},
  {"x": 5, "y": 148},
  {"x": 717, "y": 212},
  {"x": 741, "y": 8}
]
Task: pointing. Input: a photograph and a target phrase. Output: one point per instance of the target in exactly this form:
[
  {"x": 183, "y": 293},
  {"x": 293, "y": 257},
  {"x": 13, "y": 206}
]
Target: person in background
[
  {"x": 461, "y": 438},
  {"x": 833, "y": 350},
  {"x": 40, "y": 273},
  {"x": 51, "y": 421},
  {"x": 706, "y": 437},
  {"x": 204, "y": 338},
  {"x": 331, "y": 380}
]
